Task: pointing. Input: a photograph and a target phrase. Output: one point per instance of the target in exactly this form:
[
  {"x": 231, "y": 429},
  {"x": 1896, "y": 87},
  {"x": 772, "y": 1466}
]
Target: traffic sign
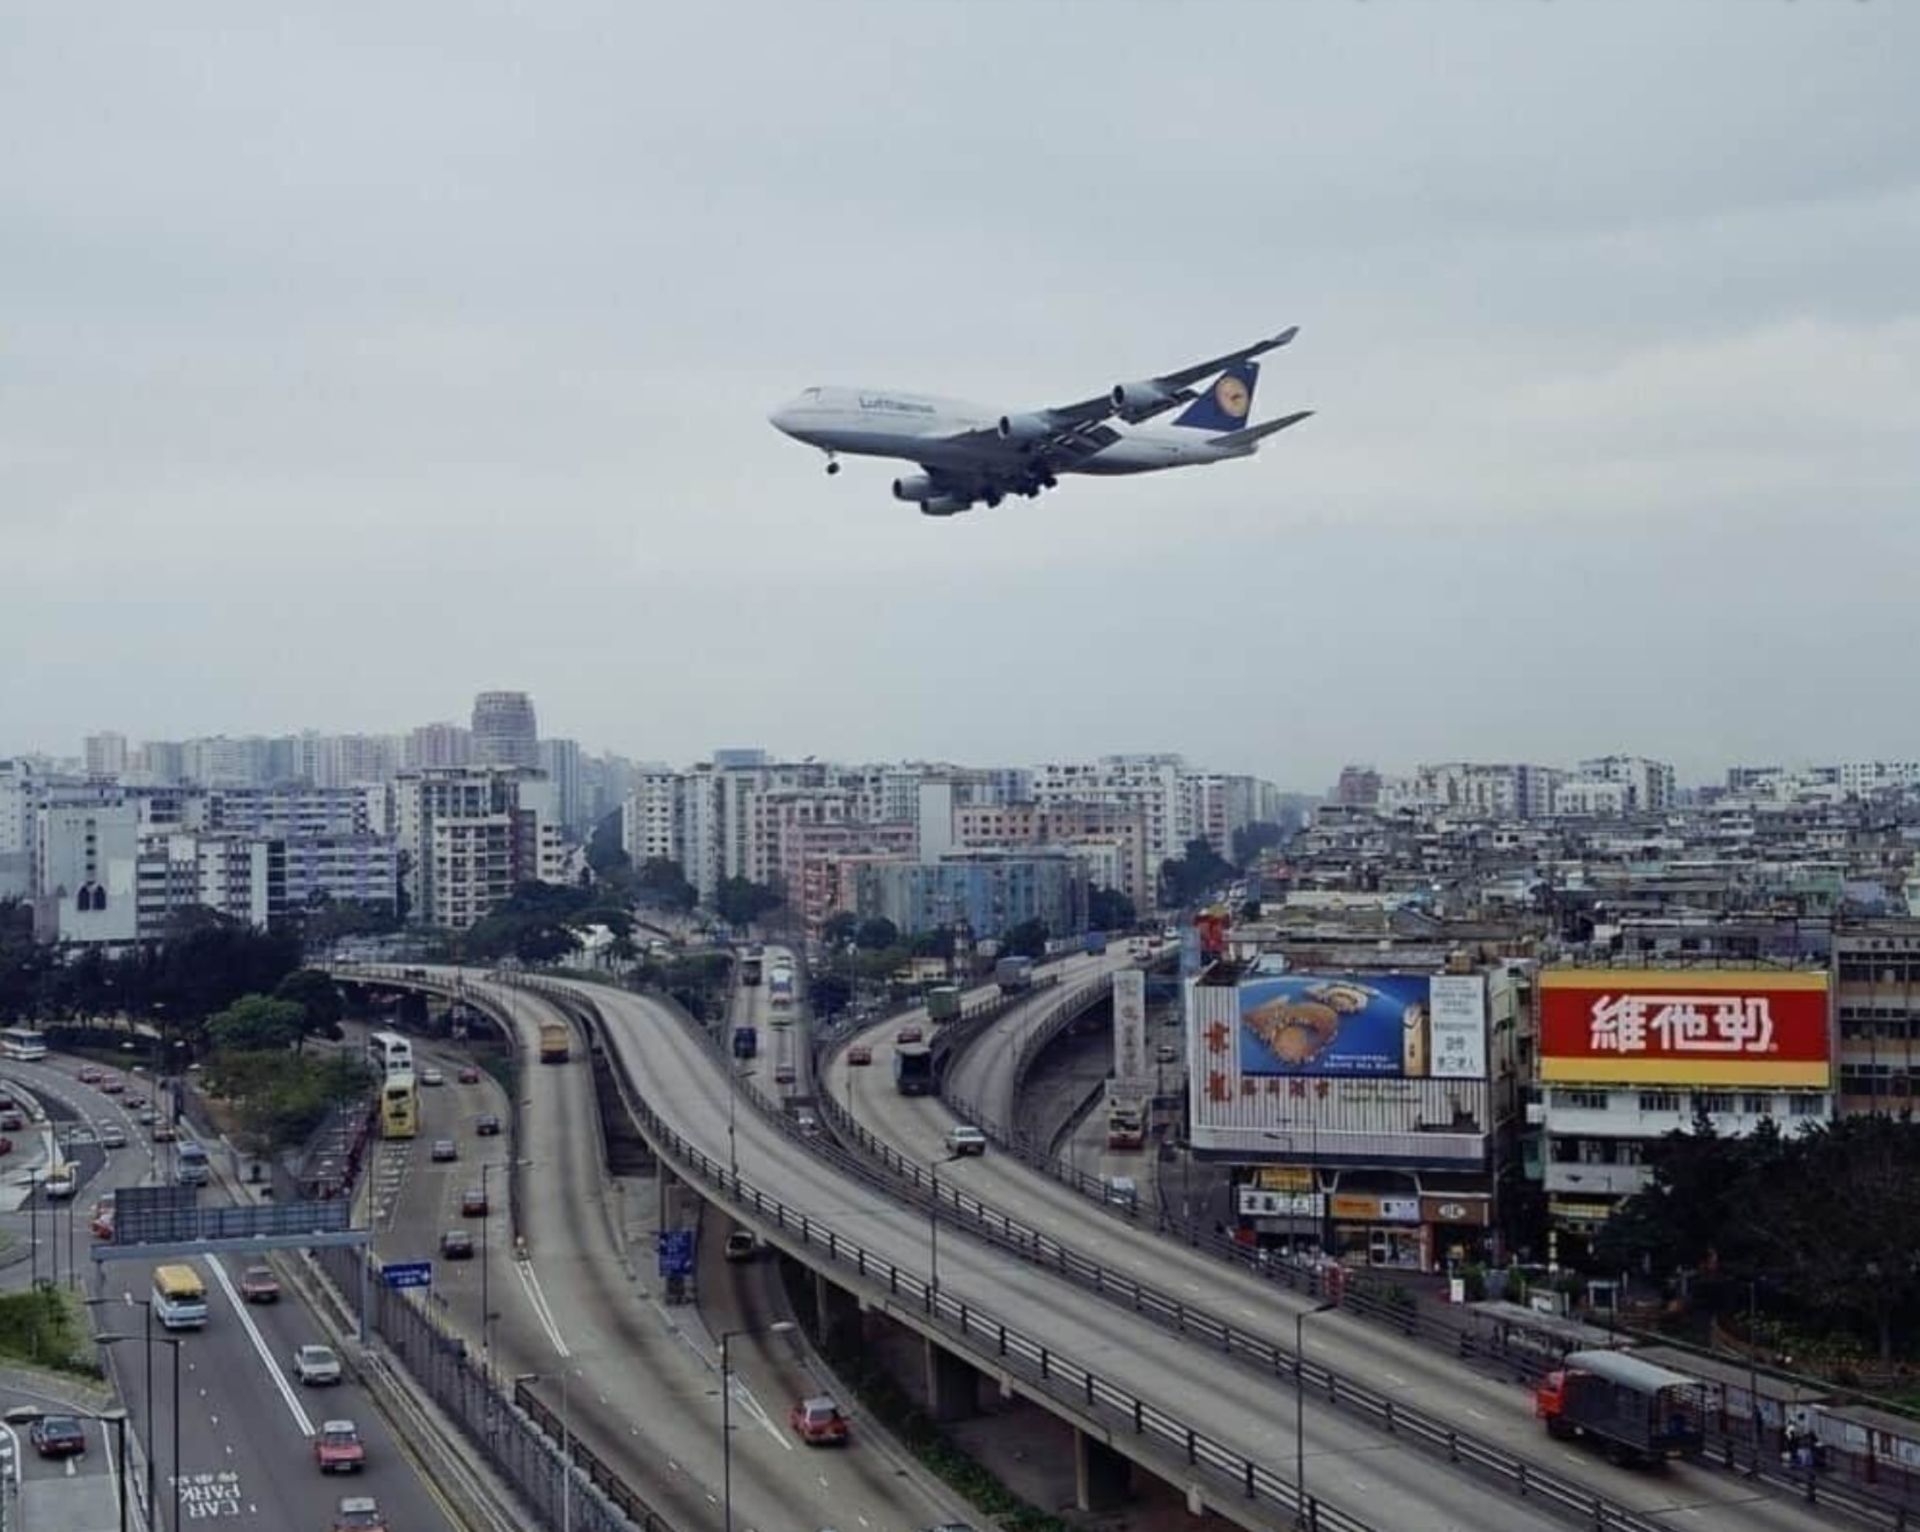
[
  {"x": 675, "y": 1247},
  {"x": 407, "y": 1273}
]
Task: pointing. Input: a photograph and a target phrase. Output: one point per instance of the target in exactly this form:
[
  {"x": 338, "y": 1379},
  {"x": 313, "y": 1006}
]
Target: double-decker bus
[
  {"x": 22, "y": 1043},
  {"x": 399, "y": 1106},
  {"x": 389, "y": 1053},
  {"x": 179, "y": 1297}
]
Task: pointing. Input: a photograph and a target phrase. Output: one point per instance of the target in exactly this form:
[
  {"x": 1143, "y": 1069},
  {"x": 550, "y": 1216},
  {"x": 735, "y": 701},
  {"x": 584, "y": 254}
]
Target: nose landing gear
[{"x": 833, "y": 467}]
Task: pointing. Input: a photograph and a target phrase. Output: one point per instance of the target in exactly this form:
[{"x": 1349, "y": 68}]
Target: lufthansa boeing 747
[{"x": 971, "y": 454}]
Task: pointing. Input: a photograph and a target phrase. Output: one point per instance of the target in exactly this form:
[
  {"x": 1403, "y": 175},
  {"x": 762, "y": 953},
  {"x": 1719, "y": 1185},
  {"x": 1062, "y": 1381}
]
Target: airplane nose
[{"x": 781, "y": 419}]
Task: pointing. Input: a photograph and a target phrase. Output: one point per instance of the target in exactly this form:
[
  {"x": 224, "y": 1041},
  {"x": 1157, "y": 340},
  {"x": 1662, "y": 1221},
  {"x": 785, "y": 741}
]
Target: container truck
[
  {"x": 1014, "y": 975},
  {"x": 1095, "y": 943},
  {"x": 943, "y": 1003},
  {"x": 556, "y": 1042},
  {"x": 913, "y": 1069},
  {"x": 1640, "y": 1413}
]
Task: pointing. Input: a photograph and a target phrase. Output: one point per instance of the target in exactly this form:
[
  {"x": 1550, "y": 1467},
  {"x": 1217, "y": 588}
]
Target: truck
[
  {"x": 556, "y": 1042},
  {"x": 780, "y": 989},
  {"x": 750, "y": 970},
  {"x": 1639, "y": 1412},
  {"x": 943, "y": 1003},
  {"x": 1014, "y": 975},
  {"x": 746, "y": 1042},
  {"x": 1126, "y": 1122},
  {"x": 913, "y": 1069},
  {"x": 1095, "y": 943}
]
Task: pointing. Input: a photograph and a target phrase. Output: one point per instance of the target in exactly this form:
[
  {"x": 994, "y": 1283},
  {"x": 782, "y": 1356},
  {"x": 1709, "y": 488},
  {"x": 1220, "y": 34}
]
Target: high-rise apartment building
[
  {"x": 439, "y": 744},
  {"x": 560, "y": 759},
  {"x": 106, "y": 754},
  {"x": 504, "y": 730},
  {"x": 469, "y": 835}
]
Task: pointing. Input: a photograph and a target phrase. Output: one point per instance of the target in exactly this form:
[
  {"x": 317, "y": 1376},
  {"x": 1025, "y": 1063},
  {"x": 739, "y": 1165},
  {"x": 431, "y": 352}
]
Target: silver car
[{"x": 316, "y": 1365}]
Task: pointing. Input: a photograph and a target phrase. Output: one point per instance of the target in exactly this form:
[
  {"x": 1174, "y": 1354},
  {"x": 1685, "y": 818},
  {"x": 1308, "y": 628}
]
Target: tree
[
  {"x": 661, "y": 881},
  {"x": 605, "y": 852},
  {"x": 838, "y": 930},
  {"x": 740, "y": 901},
  {"x": 876, "y": 934},
  {"x": 829, "y": 993},
  {"x": 258, "y": 1024},
  {"x": 319, "y": 999},
  {"x": 1251, "y": 839},
  {"x": 937, "y": 943},
  {"x": 1028, "y": 939},
  {"x": 1109, "y": 910}
]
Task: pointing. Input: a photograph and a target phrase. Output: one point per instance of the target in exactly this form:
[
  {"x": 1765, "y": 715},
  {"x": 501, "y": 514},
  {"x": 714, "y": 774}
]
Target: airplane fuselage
[{"x": 921, "y": 428}]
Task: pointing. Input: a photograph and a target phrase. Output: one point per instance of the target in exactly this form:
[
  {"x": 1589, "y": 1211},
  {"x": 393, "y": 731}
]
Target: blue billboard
[{"x": 1313, "y": 1024}]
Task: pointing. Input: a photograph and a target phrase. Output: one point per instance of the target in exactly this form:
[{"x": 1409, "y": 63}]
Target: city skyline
[{"x": 1605, "y": 313}]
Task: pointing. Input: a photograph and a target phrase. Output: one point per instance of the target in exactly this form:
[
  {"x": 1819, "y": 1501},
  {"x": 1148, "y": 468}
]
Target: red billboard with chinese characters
[{"x": 1667, "y": 1026}]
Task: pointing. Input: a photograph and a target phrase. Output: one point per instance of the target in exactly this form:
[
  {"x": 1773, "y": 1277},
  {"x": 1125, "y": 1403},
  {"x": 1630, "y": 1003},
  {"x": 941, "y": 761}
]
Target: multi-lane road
[{"x": 245, "y": 1423}]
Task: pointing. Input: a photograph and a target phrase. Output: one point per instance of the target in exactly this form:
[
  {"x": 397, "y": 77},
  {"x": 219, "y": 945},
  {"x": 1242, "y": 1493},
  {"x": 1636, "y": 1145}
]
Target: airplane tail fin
[
  {"x": 1226, "y": 404},
  {"x": 1252, "y": 434}
]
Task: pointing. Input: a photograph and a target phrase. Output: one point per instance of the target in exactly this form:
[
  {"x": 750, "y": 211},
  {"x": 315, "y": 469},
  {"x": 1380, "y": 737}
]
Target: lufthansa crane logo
[{"x": 1231, "y": 395}]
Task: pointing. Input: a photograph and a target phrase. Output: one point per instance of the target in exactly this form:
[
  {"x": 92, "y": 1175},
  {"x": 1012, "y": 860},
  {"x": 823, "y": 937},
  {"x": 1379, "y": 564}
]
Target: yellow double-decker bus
[{"x": 399, "y": 1106}]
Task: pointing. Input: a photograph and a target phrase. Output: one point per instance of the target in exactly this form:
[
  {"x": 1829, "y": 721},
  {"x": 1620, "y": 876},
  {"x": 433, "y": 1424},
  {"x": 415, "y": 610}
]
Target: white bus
[
  {"x": 22, "y": 1043},
  {"x": 389, "y": 1053},
  {"x": 179, "y": 1298}
]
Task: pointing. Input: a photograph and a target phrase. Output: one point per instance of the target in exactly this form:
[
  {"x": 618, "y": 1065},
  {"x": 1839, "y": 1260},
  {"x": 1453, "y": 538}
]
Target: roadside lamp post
[
  {"x": 933, "y": 1234},
  {"x": 778, "y": 1327},
  {"x": 736, "y": 1073},
  {"x": 176, "y": 1343},
  {"x": 1300, "y": 1409},
  {"x": 566, "y": 1442}
]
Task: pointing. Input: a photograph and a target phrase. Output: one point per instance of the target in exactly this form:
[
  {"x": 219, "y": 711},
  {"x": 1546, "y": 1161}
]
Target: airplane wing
[{"x": 1064, "y": 433}]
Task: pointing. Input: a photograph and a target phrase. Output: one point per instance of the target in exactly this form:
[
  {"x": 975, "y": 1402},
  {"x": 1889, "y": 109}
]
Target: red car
[
  {"x": 908, "y": 1035},
  {"x": 338, "y": 1449},
  {"x": 818, "y": 1422},
  {"x": 112, "y": 1085},
  {"x": 58, "y": 1436},
  {"x": 469, "y": 1074},
  {"x": 859, "y": 1053},
  {"x": 88, "y": 1074},
  {"x": 258, "y": 1284},
  {"x": 6, "y": 1145}
]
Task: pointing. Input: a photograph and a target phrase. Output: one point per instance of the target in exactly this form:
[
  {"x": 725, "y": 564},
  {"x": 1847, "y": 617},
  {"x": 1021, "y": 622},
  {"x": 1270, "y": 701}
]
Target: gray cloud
[{"x": 353, "y": 364}]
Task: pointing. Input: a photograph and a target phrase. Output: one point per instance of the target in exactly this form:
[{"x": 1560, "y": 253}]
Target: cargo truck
[
  {"x": 750, "y": 970},
  {"x": 1639, "y": 1412},
  {"x": 1014, "y": 975},
  {"x": 1095, "y": 943},
  {"x": 913, "y": 1069},
  {"x": 746, "y": 1042},
  {"x": 943, "y": 1003},
  {"x": 556, "y": 1042}
]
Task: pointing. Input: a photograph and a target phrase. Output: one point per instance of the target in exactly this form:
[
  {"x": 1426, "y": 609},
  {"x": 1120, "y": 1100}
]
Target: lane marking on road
[
  {"x": 1476, "y": 1414},
  {"x": 294, "y": 1407},
  {"x": 744, "y": 1397},
  {"x": 538, "y": 1298}
]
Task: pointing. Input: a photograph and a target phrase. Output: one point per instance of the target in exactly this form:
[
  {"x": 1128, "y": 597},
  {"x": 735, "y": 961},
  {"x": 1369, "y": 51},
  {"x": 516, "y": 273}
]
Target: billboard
[
  {"x": 1373, "y": 1026},
  {"x": 1685, "y": 1026}
]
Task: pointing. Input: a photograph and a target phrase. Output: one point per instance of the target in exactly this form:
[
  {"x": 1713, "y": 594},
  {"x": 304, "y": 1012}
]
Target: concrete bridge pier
[
  {"x": 1102, "y": 1478},
  {"x": 953, "y": 1384}
]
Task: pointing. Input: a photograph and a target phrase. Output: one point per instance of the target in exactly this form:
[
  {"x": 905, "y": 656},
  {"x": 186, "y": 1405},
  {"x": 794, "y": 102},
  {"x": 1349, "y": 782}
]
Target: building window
[
  {"x": 1712, "y": 1101},
  {"x": 1758, "y": 1106},
  {"x": 1806, "y": 1106},
  {"x": 1659, "y": 1101},
  {"x": 1584, "y": 1100}
]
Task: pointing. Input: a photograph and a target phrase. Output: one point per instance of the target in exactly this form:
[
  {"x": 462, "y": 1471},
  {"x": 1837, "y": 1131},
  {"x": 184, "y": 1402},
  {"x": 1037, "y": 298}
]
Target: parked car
[
  {"x": 457, "y": 1245},
  {"x": 359, "y": 1513},
  {"x": 258, "y": 1284},
  {"x": 486, "y": 1125},
  {"x": 859, "y": 1054},
  {"x": 473, "y": 1202},
  {"x": 469, "y": 1074},
  {"x": 965, "y": 1138},
  {"x": 58, "y": 1436},
  {"x": 316, "y": 1366},
  {"x": 112, "y": 1136},
  {"x": 432, "y": 1077},
  {"x": 742, "y": 1245},
  {"x": 908, "y": 1034},
  {"x": 338, "y": 1448},
  {"x": 445, "y": 1149},
  {"x": 818, "y": 1421}
]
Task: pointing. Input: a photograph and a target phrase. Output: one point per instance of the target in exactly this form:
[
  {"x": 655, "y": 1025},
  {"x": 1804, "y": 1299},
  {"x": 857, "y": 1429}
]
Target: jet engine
[
  {"x": 914, "y": 486},
  {"x": 1024, "y": 428},
  {"x": 1136, "y": 401},
  {"x": 944, "y": 505}
]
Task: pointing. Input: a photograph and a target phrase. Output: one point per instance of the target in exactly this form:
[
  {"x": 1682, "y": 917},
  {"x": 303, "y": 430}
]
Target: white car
[
  {"x": 432, "y": 1077},
  {"x": 965, "y": 1138},
  {"x": 316, "y": 1365}
]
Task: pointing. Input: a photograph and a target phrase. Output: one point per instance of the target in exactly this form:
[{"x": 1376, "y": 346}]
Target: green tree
[
  {"x": 318, "y": 997},
  {"x": 838, "y": 930},
  {"x": 1028, "y": 939},
  {"x": 605, "y": 853},
  {"x": 1193, "y": 877},
  {"x": 1109, "y": 910},
  {"x": 279, "y": 1098},
  {"x": 1251, "y": 839},
  {"x": 740, "y": 901},
  {"x": 258, "y": 1024},
  {"x": 662, "y": 881},
  {"x": 829, "y": 993},
  {"x": 876, "y": 934}
]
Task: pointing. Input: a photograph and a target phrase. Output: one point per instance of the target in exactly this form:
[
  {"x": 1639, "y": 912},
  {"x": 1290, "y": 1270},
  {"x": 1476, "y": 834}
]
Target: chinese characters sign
[{"x": 1684, "y": 1026}]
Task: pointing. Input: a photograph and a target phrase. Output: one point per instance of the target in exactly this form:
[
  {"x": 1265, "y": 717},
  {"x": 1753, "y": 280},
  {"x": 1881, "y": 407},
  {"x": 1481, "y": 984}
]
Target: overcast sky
[{"x": 354, "y": 359}]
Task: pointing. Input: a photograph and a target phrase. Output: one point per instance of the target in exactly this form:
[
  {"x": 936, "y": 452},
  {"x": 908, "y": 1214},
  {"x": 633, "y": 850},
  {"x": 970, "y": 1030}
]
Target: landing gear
[{"x": 832, "y": 466}]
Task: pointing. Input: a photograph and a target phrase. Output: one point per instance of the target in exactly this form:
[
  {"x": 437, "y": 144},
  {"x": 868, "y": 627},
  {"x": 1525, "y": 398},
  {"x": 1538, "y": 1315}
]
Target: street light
[
  {"x": 736, "y": 1072},
  {"x": 21, "y": 1414},
  {"x": 1299, "y": 1409},
  {"x": 933, "y": 1234},
  {"x": 778, "y": 1327},
  {"x": 176, "y": 1343}
]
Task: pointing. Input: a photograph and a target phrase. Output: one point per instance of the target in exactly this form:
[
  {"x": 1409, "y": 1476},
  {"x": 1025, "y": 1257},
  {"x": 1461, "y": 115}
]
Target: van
[
  {"x": 193, "y": 1169},
  {"x": 62, "y": 1181}
]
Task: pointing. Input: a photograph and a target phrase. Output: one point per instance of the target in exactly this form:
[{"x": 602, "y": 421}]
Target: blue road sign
[
  {"x": 407, "y": 1273},
  {"x": 676, "y": 1252}
]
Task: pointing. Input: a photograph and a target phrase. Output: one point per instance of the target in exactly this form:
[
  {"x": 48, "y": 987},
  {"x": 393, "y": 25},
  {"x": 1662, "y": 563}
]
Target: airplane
[{"x": 970, "y": 454}]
